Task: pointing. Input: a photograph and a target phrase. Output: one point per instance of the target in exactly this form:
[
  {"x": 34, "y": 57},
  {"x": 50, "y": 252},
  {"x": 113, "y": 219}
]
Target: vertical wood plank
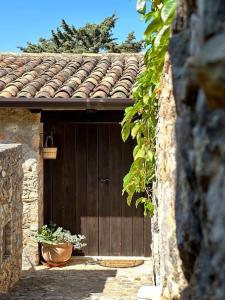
[
  {"x": 47, "y": 185},
  {"x": 127, "y": 211},
  {"x": 69, "y": 183},
  {"x": 81, "y": 180},
  {"x": 58, "y": 176},
  {"x": 138, "y": 230},
  {"x": 115, "y": 163},
  {"x": 92, "y": 190},
  {"x": 104, "y": 192},
  {"x": 147, "y": 237}
]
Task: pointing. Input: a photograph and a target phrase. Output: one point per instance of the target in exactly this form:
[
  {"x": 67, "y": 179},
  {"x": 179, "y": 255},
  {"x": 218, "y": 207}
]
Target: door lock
[{"x": 104, "y": 180}]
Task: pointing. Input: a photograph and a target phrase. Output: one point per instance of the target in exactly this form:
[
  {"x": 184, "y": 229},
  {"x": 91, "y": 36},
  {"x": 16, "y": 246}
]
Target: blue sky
[{"x": 27, "y": 20}]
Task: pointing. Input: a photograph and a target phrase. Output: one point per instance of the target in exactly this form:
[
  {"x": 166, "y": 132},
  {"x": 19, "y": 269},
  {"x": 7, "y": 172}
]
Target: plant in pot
[{"x": 57, "y": 244}]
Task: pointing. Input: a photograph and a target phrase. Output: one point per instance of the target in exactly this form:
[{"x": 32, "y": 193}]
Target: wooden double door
[{"x": 83, "y": 189}]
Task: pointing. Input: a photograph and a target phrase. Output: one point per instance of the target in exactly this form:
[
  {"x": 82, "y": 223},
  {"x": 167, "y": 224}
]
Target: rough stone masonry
[
  {"x": 198, "y": 61},
  {"x": 11, "y": 211},
  {"x": 167, "y": 263},
  {"x": 22, "y": 126}
]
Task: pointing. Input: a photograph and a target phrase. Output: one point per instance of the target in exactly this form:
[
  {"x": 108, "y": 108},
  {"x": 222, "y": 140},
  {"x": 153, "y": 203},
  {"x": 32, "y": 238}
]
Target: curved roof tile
[{"x": 69, "y": 75}]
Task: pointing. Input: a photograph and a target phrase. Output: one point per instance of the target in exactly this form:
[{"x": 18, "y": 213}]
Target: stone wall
[
  {"x": 22, "y": 126},
  {"x": 167, "y": 263},
  {"x": 11, "y": 210},
  {"x": 198, "y": 58}
]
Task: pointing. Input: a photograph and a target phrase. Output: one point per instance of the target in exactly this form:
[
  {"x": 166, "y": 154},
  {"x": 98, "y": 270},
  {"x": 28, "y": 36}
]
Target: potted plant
[{"x": 57, "y": 244}]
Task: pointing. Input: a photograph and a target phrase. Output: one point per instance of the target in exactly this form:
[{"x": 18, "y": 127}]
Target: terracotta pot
[{"x": 57, "y": 253}]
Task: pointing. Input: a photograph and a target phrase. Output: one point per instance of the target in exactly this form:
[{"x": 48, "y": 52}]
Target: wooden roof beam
[{"x": 66, "y": 104}]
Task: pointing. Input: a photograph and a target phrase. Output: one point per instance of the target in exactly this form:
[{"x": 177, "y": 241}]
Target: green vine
[{"x": 140, "y": 119}]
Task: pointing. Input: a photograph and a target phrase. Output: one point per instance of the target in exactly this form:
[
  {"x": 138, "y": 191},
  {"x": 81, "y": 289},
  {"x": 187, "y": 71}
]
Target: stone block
[{"x": 10, "y": 215}]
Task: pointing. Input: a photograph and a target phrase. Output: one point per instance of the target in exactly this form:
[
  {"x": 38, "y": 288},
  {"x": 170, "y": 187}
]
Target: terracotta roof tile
[{"x": 69, "y": 75}]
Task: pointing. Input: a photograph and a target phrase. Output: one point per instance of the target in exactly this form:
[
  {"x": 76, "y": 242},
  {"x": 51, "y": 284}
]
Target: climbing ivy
[{"x": 140, "y": 120}]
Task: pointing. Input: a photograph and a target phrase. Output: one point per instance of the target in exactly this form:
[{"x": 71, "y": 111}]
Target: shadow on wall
[{"x": 60, "y": 284}]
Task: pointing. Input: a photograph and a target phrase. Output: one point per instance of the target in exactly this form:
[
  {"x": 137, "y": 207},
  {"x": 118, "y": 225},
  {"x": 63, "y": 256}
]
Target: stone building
[
  {"x": 11, "y": 186},
  {"x": 63, "y": 89},
  {"x": 188, "y": 226}
]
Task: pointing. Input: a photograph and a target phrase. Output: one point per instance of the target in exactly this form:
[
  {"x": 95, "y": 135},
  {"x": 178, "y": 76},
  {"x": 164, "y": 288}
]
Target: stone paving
[{"x": 81, "y": 281}]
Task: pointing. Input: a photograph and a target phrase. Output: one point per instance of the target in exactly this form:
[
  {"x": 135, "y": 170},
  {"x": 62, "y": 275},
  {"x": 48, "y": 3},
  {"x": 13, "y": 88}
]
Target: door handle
[{"x": 104, "y": 180}]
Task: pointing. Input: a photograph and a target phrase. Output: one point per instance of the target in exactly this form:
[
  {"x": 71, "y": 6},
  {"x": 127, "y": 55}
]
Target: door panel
[{"x": 83, "y": 189}]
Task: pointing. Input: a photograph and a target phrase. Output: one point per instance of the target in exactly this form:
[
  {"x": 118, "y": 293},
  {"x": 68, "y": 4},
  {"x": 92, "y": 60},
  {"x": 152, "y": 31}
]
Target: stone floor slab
[{"x": 81, "y": 281}]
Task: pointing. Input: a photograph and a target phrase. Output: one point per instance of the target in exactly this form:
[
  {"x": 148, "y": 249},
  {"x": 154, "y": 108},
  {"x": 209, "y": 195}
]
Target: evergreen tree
[{"x": 91, "y": 38}]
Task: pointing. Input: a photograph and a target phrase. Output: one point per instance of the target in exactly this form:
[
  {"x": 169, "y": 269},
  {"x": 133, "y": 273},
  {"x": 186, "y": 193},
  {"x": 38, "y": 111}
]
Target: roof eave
[{"x": 66, "y": 104}]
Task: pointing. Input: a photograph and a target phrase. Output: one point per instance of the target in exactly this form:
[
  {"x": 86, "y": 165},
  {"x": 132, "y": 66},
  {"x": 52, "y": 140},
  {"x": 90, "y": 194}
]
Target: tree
[{"x": 91, "y": 38}]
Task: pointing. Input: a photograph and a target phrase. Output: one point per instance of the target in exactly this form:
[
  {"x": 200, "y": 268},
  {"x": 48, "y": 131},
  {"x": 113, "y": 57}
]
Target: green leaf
[
  {"x": 141, "y": 119},
  {"x": 140, "y": 200},
  {"x": 150, "y": 155},
  {"x": 125, "y": 132},
  {"x": 161, "y": 35},
  {"x": 153, "y": 27},
  {"x": 141, "y": 6},
  {"x": 168, "y": 10},
  {"x": 140, "y": 153},
  {"x": 148, "y": 208},
  {"x": 135, "y": 129},
  {"x": 146, "y": 99}
]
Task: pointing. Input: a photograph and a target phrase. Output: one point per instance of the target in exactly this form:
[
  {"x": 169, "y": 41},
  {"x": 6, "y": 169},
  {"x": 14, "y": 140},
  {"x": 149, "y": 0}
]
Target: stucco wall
[
  {"x": 22, "y": 126},
  {"x": 11, "y": 209}
]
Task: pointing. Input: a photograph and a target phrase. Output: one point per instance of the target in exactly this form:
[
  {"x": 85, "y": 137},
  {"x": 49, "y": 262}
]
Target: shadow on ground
[{"x": 58, "y": 284}]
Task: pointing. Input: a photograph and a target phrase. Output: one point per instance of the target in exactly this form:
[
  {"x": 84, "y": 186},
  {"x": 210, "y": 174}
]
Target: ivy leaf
[
  {"x": 146, "y": 99},
  {"x": 135, "y": 129},
  {"x": 150, "y": 155},
  {"x": 153, "y": 27},
  {"x": 140, "y": 153},
  {"x": 168, "y": 10},
  {"x": 141, "y": 6},
  {"x": 141, "y": 119},
  {"x": 148, "y": 208},
  {"x": 163, "y": 33},
  {"x": 140, "y": 200},
  {"x": 125, "y": 132}
]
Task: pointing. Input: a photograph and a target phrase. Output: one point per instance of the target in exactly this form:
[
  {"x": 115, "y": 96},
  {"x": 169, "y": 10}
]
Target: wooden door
[{"x": 83, "y": 189}]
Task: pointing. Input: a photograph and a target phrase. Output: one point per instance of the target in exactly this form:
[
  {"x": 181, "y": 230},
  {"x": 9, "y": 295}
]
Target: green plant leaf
[
  {"x": 163, "y": 33},
  {"x": 140, "y": 120},
  {"x": 140, "y": 200},
  {"x": 140, "y": 153},
  {"x": 125, "y": 132},
  {"x": 153, "y": 27},
  {"x": 168, "y": 10},
  {"x": 51, "y": 234},
  {"x": 148, "y": 208},
  {"x": 135, "y": 129}
]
